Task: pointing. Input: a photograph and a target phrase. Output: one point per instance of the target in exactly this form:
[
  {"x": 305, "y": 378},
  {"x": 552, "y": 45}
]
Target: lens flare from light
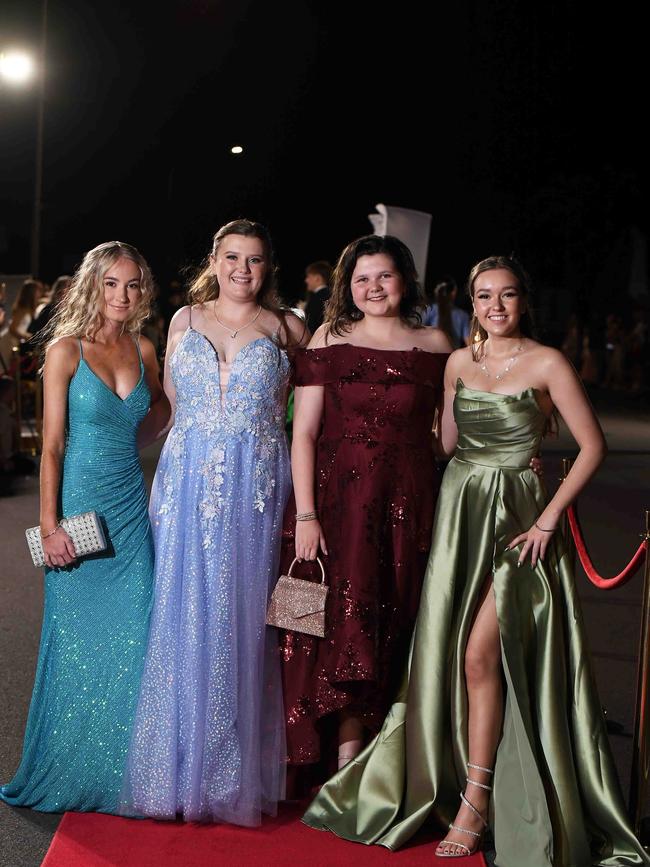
[{"x": 16, "y": 67}]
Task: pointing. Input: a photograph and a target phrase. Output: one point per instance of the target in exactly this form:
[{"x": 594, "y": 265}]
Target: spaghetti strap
[
  {"x": 190, "y": 315},
  {"x": 136, "y": 340},
  {"x": 81, "y": 349}
]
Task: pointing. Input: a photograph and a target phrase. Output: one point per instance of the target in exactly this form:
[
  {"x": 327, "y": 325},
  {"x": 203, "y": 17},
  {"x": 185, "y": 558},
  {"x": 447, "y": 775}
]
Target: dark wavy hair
[
  {"x": 477, "y": 334},
  {"x": 341, "y": 311}
]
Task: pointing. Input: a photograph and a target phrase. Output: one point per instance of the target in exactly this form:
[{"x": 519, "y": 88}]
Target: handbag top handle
[{"x": 318, "y": 560}]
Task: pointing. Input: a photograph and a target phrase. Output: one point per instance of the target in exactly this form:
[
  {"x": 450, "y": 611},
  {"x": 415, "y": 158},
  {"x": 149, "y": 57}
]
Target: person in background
[
  {"x": 317, "y": 279},
  {"x": 58, "y": 293},
  {"x": 154, "y": 326},
  {"x": 8, "y": 435},
  {"x": 614, "y": 352},
  {"x": 444, "y": 314},
  {"x": 24, "y": 309},
  {"x": 638, "y": 355},
  {"x": 3, "y": 295},
  {"x": 172, "y": 301},
  {"x": 6, "y": 340},
  {"x": 44, "y": 297}
]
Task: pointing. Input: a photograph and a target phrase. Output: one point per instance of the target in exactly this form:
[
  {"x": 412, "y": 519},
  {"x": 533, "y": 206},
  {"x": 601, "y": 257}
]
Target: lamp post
[
  {"x": 17, "y": 68},
  {"x": 35, "y": 247}
]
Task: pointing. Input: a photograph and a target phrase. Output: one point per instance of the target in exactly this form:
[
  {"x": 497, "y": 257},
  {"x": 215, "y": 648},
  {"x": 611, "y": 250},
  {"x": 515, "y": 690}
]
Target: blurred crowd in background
[{"x": 611, "y": 356}]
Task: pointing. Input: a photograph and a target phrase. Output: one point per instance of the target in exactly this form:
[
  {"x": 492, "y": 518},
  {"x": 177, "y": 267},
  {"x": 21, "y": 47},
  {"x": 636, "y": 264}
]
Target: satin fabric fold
[{"x": 556, "y": 798}]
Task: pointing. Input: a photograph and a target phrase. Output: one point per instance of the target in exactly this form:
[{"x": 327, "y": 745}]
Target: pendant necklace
[
  {"x": 509, "y": 364},
  {"x": 230, "y": 331}
]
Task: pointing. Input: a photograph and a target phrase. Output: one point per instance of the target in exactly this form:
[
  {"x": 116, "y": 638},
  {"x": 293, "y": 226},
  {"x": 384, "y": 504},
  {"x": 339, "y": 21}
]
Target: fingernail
[
  {"x": 507, "y": 548},
  {"x": 519, "y": 564}
]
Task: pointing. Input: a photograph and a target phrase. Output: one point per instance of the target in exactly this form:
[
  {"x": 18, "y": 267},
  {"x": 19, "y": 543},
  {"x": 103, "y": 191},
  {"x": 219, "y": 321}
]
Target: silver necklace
[
  {"x": 230, "y": 331},
  {"x": 509, "y": 364}
]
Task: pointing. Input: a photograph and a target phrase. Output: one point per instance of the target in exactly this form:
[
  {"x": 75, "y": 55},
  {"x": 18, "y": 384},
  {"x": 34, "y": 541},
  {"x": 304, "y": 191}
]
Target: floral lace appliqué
[{"x": 250, "y": 413}]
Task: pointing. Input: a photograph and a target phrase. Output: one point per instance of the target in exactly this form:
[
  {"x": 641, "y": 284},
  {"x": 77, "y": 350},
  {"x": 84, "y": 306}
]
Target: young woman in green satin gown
[{"x": 499, "y": 607}]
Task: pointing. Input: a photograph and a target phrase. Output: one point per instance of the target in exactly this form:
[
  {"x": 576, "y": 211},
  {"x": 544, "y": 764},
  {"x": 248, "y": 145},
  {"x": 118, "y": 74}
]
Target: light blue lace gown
[{"x": 208, "y": 741}]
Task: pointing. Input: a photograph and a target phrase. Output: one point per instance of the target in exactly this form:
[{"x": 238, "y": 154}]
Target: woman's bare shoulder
[
  {"x": 62, "y": 355},
  {"x": 181, "y": 319},
  {"x": 324, "y": 336},
  {"x": 432, "y": 339},
  {"x": 459, "y": 360},
  {"x": 62, "y": 349}
]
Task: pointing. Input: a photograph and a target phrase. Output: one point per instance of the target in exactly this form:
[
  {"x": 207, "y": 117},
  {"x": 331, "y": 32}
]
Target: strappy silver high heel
[{"x": 466, "y": 851}]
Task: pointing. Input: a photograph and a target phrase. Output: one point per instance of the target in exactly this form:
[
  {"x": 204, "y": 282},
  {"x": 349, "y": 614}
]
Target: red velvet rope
[{"x": 597, "y": 580}]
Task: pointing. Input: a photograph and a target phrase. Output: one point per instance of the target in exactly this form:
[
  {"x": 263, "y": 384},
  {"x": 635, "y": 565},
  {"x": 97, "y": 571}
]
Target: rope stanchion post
[
  {"x": 640, "y": 744},
  {"x": 566, "y": 527},
  {"x": 640, "y": 774}
]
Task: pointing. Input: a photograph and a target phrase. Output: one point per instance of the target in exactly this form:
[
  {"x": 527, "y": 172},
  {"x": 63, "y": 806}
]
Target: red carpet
[{"x": 95, "y": 840}]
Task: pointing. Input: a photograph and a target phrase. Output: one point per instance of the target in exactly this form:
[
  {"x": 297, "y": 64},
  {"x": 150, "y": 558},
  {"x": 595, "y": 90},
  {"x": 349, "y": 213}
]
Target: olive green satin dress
[{"x": 556, "y": 798}]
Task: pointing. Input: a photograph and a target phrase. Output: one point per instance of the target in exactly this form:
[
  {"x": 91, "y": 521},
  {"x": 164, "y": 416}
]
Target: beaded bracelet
[
  {"x": 307, "y": 516},
  {"x": 51, "y": 533}
]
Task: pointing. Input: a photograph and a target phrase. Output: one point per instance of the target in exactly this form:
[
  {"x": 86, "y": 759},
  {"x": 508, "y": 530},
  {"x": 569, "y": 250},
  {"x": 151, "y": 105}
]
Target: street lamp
[{"x": 16, "y": 67}]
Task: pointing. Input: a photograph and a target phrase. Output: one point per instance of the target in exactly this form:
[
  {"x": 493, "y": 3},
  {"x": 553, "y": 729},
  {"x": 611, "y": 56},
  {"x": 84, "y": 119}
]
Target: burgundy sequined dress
[{"x": 377, "y": 484}]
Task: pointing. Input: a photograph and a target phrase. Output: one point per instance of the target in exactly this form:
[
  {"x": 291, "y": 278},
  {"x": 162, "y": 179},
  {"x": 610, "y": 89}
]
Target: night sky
[{"x": 517, "y": 125}]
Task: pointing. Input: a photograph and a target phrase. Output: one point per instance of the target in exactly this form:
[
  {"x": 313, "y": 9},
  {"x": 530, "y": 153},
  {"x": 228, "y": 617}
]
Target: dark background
[{"x": 517, "y": 125}]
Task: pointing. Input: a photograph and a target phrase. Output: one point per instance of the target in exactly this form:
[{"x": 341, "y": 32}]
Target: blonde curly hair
[{"x": 80, "y": 312}]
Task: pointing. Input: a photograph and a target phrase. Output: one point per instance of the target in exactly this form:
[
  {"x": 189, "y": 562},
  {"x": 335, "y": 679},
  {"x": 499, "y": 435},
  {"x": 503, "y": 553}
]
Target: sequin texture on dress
[
  {"x": 376, "y": 485},
  {"x": 208, "y": 742},
  {"x": 96, "y": 615}
]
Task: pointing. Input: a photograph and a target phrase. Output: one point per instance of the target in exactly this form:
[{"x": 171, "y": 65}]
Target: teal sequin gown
[{"x": 96, "y": 615}]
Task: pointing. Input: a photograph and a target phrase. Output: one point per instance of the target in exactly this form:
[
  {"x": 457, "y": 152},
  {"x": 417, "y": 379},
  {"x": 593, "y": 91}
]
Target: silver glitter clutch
[
  {"x": 299, "y": 605},
  {"x": 86, "y": 533}
]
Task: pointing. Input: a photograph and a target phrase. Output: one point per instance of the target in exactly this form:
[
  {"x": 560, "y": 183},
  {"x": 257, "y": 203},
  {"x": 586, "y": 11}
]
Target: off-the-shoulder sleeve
[{"x": 315, "y": 366}]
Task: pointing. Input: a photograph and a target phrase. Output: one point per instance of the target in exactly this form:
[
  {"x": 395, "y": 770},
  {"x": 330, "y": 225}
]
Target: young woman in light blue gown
[
  {"x": 102, "y": 399},
  {"x": 208, "y": 742}
]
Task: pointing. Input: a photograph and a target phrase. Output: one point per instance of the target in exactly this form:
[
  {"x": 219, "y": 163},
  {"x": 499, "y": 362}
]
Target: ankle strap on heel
[
  {"x": 480, "y": 785},
  {"x": 480, "y": 768},
  {"x": 471, "y": 806}
]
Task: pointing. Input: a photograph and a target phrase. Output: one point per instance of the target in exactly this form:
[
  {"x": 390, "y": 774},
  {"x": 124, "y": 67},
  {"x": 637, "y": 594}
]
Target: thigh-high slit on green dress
[{"x": 556, "y": 798}]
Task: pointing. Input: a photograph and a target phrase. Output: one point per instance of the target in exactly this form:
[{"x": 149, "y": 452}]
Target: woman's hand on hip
[{"x": 535, "y": 542}]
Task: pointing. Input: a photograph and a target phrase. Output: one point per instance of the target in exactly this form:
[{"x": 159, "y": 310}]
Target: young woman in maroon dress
[{"x": 365, "y": 483}]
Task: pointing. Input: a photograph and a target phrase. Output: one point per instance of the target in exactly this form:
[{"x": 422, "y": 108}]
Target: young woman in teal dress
[
  {"x": 102, "y": 400},
  {"x": 498, "y": 609}
]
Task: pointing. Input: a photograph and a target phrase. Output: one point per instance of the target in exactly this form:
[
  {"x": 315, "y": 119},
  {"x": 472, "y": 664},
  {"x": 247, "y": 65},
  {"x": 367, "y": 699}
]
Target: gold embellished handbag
[
  {"x": 86, "y": 533},
  {"x": 299, "y": 605}
]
